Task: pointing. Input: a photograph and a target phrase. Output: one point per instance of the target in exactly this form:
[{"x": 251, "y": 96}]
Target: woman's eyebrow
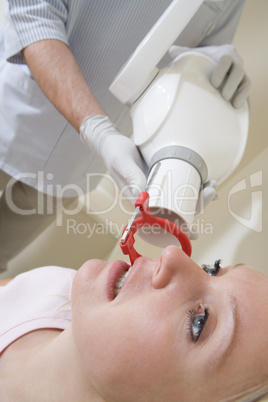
[
  {"x": 238, "y": 265},
  {"x": 225, "y": 345},
  {"x": 234, "y": 310},
  {"x": 232, "y": 267}
]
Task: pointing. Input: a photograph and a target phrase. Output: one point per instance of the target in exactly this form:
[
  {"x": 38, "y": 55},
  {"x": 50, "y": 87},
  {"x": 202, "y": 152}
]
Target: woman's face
[{"x": 173, "y": 332}]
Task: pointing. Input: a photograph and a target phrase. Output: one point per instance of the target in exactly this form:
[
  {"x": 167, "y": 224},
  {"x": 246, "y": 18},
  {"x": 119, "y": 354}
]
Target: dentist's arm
[
  {"x": 56, "y": 72},
  {"x": 4, "y": 282}
]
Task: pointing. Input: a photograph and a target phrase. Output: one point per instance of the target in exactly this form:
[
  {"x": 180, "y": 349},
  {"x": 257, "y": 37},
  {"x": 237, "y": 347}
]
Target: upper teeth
[{"x": 120, "y": 281}]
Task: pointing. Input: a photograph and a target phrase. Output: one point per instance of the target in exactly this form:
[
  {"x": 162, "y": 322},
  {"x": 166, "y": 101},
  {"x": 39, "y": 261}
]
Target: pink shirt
[{"x": 33, "y": 300}]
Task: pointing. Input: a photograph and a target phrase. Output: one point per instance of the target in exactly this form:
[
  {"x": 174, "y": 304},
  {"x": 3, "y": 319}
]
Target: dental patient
[{"x": 166, "y": 330}]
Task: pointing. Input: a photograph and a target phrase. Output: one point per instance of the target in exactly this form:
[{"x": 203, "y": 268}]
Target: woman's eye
[
  {"x": 212, "y": 269},
  {"x": 197, "y": 323}
]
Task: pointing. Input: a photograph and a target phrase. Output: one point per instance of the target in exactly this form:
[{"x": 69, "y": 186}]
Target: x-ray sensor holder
[{"x": 143, "y": 217}]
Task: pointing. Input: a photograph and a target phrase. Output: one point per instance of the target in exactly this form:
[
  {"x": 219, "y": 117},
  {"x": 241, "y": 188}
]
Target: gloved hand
[
  {"x": 228, "y": 75},
  {"x": 117, "y": 151}
]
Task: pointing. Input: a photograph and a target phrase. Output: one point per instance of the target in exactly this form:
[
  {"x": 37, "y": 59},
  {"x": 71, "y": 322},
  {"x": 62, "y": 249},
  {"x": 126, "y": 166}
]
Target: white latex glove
[
  {"x": 228, "y": 75},
  {"x": 117, "y": 151}
]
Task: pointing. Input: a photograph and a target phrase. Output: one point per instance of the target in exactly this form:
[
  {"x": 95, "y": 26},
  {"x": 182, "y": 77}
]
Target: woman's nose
[{"x": 173, "y": 262}]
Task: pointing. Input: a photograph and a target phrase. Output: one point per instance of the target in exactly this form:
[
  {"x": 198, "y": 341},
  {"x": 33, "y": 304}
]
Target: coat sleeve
[
  {"x": 224, "y": 30},
  {"x": 29, "y": 21}
]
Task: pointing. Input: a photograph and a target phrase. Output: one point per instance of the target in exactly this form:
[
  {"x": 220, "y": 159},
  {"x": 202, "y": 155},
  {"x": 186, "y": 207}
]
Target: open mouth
[{"x": 120, "y": 281}]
